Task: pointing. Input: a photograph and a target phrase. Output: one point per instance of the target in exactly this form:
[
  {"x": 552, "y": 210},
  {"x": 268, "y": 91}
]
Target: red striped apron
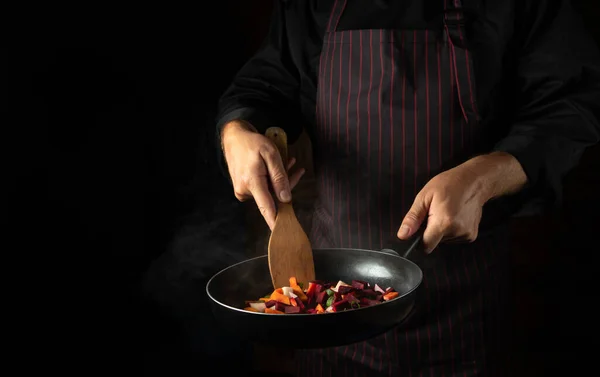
[{"x": 395, "y": 108}]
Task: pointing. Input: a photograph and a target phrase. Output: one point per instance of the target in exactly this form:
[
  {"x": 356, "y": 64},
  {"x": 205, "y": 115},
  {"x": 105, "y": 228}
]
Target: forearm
[{"x": 497, "y": 174}]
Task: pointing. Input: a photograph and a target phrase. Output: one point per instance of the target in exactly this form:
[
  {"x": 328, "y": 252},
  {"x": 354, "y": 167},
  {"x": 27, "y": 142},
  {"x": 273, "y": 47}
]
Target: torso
[{"x": 395, "y": 107}]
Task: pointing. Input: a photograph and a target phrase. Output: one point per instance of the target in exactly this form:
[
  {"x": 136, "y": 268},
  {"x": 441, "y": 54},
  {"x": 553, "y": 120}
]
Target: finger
[
  {"x": 291, "y": 163},
  {"x": 434, "y": 232},
  {"x": 295, "y": 178},
  {"x": 447, "y": 239},
  {"x": 242, "y": 197},
  {"x": 264, "y": 201},
  {"x": 414, "y": 218},
  {"x": 453, "y": 239},
  {"x": 240, "y": 190},
  {"x": 277, "y": 174}
]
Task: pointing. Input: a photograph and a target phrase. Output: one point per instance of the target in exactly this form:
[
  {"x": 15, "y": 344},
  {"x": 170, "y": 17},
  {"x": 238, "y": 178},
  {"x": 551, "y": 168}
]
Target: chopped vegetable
[
  {"x": 390, "y": 295},
  {"x": 321, "y": 297},
  {"x": 288, "y": 291},
  {"x": 300, "y": 293},
  {"x": 359, "y": 284},
  {"x": 292, "y": 310},
  {"x": 280, "y": 297},
  {"x": 273, "y": 311},
  {"x": 259, "y": 306}
]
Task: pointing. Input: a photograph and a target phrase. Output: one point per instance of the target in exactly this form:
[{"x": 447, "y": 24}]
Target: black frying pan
[{"x": 248, "y": 280}]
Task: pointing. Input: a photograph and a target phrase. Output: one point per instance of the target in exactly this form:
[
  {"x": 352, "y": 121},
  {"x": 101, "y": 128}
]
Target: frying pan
[{"x": 231, "y": 287}]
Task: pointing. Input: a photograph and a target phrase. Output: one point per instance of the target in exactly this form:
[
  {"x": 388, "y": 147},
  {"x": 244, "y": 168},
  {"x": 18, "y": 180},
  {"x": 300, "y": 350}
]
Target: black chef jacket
[{"x": 537, "y": 75}]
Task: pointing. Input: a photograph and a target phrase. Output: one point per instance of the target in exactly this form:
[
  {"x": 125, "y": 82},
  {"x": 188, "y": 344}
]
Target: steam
[{"x": 213, "y": 238}]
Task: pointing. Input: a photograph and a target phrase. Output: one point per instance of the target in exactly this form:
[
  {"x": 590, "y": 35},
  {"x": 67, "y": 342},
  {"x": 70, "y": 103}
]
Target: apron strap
[
  {"x": 335, "y": 15},
  {"x": 454, "y": 22}
]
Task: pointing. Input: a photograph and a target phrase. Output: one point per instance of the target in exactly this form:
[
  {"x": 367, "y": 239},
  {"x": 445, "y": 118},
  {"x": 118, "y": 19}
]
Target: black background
[{"x": 114, "y": 151}]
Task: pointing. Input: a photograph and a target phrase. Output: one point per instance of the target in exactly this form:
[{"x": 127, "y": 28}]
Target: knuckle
[
  {"x": 254, "y": 169},
  {"x": 267, "y": 149},
  {"x": 447, "y": 222},
  {"x": 240, "y": 195},
  {"x": 411, "y": 216},
  {"x": 278, "y": 177},
  {"x": 239, "y": 184},
  {"x": 459, "y": 226},
  {"x": 472, "y": 236},
  {"x": 248, "y": 179},
  {"x": 254, "y": 183}
]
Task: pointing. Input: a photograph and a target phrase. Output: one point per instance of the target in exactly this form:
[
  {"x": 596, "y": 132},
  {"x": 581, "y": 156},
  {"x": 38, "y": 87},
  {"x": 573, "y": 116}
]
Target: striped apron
[{"x": 395, "y": 108}]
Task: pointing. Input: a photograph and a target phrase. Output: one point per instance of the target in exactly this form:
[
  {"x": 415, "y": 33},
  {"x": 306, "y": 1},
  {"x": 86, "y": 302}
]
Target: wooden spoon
[{"x": 290, "y": 253}]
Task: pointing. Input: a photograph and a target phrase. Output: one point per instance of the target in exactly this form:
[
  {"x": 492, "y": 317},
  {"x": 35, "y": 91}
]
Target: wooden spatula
[{"x": 290, "y": 253}]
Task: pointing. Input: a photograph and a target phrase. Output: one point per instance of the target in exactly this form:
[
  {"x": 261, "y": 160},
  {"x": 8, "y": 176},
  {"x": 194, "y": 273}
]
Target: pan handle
[{"x": 414, "y": 243}]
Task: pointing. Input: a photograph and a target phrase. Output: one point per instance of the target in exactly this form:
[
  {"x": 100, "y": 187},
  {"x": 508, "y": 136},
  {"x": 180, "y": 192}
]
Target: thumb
[{"x": 413, "y": 219}]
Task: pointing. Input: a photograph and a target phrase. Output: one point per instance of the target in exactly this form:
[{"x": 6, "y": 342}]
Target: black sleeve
[
  {"x": 558, "y": 97},
  {"x": 265, "y": 92}
]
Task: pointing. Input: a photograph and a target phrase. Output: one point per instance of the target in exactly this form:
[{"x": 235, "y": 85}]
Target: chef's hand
[
  {"x": 452, "y": 201},
  {"x": 254, "y": 163}
]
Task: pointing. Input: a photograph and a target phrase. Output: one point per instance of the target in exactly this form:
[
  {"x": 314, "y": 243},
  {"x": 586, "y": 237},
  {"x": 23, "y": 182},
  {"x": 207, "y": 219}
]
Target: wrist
[
  {"x": 232, "y": 128},
  {"x": 496, "y": 174}
]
